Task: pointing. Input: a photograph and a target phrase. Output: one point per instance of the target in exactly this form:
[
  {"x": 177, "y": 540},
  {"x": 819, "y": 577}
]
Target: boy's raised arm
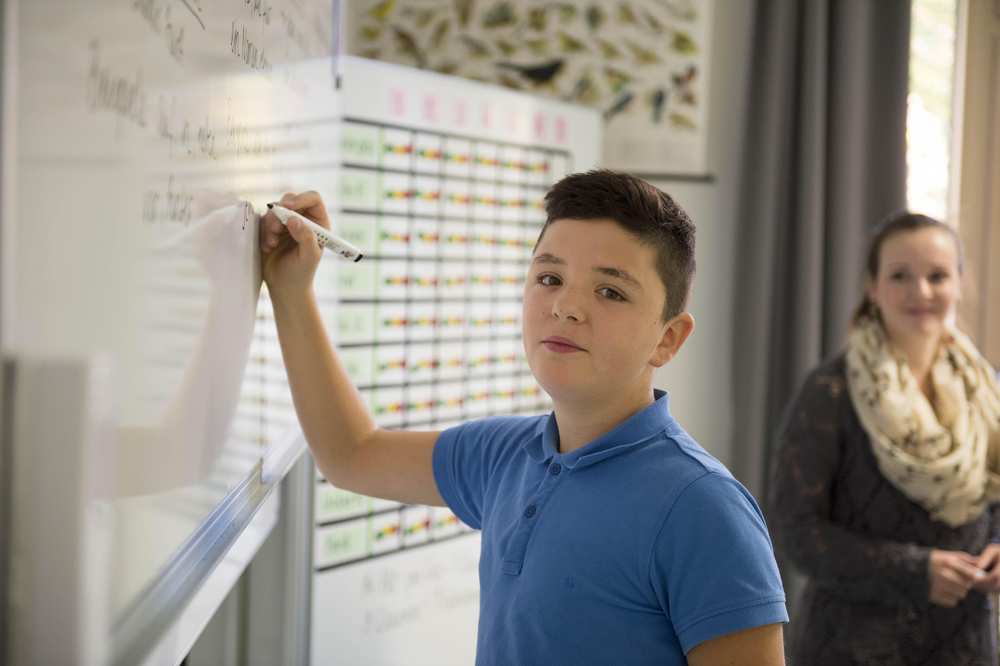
[{"x": 350, "y": 450}]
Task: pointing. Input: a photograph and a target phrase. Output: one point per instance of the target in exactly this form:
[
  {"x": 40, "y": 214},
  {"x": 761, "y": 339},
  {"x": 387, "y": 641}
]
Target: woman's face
[{"x": 917, "y": 287}]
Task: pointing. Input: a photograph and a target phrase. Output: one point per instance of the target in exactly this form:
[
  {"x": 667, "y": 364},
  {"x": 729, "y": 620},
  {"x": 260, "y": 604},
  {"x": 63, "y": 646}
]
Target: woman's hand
[
  {"x": 988, "y": 561},
  {"x": 291, "y": 254},
  {"x": 952, "y": 574}
]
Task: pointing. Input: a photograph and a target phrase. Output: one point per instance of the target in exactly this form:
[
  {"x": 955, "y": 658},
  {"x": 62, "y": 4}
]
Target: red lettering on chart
[
  {"x": 460, "y": 113},
  {"x": 539, "y": 125},
  {"x": 561, "y": 129},
  {"x": 486, "y": 117},
  {"x": 397, "y": 102},
  {"x": 430, "y": 109}
]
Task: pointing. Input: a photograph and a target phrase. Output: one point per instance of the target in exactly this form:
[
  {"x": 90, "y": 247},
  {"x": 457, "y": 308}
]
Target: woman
[{"x": 884, "y": 484}]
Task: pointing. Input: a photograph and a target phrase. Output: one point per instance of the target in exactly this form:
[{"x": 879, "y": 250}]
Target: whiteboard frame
[
  {"x": 171, "y": 612},
  {"x": 60, "y": 527}
]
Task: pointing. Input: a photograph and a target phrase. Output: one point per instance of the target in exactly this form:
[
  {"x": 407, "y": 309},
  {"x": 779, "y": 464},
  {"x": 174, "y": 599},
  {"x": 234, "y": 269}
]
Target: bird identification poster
[{"x": 642, "y": 63}]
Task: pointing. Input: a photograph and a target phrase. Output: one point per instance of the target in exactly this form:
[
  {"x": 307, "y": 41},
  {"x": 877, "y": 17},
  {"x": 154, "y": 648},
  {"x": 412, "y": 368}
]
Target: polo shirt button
[
  {"x": 555, "y": 469},
  {"x": 530, "y": 511}
]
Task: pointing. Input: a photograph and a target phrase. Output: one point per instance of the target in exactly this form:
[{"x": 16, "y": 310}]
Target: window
[
  {"x": 976, "y": 153},
  {"x": 929, "y": 113}
]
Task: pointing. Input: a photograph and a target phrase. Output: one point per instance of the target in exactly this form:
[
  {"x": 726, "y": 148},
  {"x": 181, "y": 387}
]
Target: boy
[{"x": 608, "y": 535}]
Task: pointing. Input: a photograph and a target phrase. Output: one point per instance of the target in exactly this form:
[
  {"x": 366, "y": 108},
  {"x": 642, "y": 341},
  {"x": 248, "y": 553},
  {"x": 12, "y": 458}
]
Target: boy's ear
[{"x": 676, "y": 332}]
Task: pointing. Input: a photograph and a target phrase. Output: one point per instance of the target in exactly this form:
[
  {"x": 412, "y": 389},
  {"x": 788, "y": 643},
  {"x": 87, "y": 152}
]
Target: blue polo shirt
[{"x": 630, "y": 550}]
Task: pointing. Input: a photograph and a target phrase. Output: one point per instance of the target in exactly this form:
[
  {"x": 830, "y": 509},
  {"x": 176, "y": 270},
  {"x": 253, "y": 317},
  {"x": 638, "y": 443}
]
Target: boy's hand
[
  {"x": 952, "y": 573},
  {"x": 289, "y": 255}
]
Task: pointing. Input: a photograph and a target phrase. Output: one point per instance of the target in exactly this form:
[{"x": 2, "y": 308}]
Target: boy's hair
[
  {"x": 897, "y": 223},
  {"x": 646, "y": 212}
]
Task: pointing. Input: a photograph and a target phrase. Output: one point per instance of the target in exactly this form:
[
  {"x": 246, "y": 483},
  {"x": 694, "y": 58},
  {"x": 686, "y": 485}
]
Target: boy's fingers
[
  {"x": 302, "y": 200},
  {"x": 271, "y": 231},
  {"x": 310, "y": 204},
  {"x": 273, "y": 225}
]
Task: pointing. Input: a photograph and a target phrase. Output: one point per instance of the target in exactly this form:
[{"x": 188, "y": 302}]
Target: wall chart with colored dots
[{"x": 441, "y": 183}]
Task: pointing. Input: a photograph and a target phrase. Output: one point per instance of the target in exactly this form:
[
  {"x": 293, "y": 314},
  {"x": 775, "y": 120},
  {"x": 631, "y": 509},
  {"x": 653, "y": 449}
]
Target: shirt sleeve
[
  {"x": 713, "y": 565},
  {"x": 464, "y": 459},
  {"x": 862, "y": 568}
]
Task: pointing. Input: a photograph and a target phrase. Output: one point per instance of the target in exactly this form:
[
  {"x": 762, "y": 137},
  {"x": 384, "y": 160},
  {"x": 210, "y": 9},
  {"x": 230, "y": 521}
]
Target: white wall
[{"x": 699, "y": 379}]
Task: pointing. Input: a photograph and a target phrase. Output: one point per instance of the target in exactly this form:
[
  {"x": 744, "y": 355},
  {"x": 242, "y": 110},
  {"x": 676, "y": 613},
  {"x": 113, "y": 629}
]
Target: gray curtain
[{"x": 825, "y": 160}]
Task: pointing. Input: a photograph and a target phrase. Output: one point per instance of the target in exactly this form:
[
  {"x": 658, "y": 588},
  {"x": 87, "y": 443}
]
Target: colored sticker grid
[
  {"x": 396, "y": 148},
  {"x": 358, "y": 540},
  {"x": 429, "y": 329},
  {"x": 429, "y": 154},
  {"x": 421, "y": 362}
]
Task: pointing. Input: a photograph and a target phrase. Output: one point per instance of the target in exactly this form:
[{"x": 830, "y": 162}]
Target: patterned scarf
[{"x": 945, "y": 459}]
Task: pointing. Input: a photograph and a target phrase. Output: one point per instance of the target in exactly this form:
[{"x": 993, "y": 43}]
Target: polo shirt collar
[{"x": 635, "y": 430}]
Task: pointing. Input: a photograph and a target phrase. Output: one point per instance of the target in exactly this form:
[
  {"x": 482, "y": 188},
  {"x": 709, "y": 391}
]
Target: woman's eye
[
  {"x": 897, "y": 276},
  {"x": 547, "y": 280},
  {"x": 607, "y": 292}
]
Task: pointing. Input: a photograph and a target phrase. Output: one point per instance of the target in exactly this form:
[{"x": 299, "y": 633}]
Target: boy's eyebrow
[
  {"x": 620, "y": 273},
  {"x": 547, "y": 258}
]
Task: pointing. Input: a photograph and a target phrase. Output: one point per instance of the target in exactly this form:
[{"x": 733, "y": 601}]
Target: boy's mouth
[{"x": 561, "y": 345}]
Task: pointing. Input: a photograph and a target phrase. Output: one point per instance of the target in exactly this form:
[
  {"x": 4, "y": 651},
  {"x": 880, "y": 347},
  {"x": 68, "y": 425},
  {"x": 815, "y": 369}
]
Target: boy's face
[{"x": 592, "y": 307}]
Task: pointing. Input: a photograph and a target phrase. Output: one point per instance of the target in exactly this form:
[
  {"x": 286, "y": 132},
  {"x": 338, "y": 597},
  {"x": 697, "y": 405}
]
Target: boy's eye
[
  {"x": 938, "y": 277},
  {"x": 897, "y": 276},
  {"x": 547, "y": 279},
  {"x": 608, "y": 292}
]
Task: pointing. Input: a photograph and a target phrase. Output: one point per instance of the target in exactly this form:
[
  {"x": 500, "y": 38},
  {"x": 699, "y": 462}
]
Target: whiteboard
[
  {"x": 441, "y": 182},
  {"x": 141, "y": 138}
]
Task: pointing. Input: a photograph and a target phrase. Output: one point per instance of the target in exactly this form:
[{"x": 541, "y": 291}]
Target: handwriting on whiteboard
[
  {"x": 249, "y": 52},
  {"x": 108, "y": 91},
  {"x": 158, "y": 15}
]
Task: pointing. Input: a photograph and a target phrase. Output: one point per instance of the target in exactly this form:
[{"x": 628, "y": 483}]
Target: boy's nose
[
  {"x": 567, "y": 315},
  {"x": 566, "y": 308}
]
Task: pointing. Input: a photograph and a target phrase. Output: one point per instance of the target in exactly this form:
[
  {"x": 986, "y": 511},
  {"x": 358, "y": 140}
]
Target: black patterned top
[{"x": 864, "y": 547}]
